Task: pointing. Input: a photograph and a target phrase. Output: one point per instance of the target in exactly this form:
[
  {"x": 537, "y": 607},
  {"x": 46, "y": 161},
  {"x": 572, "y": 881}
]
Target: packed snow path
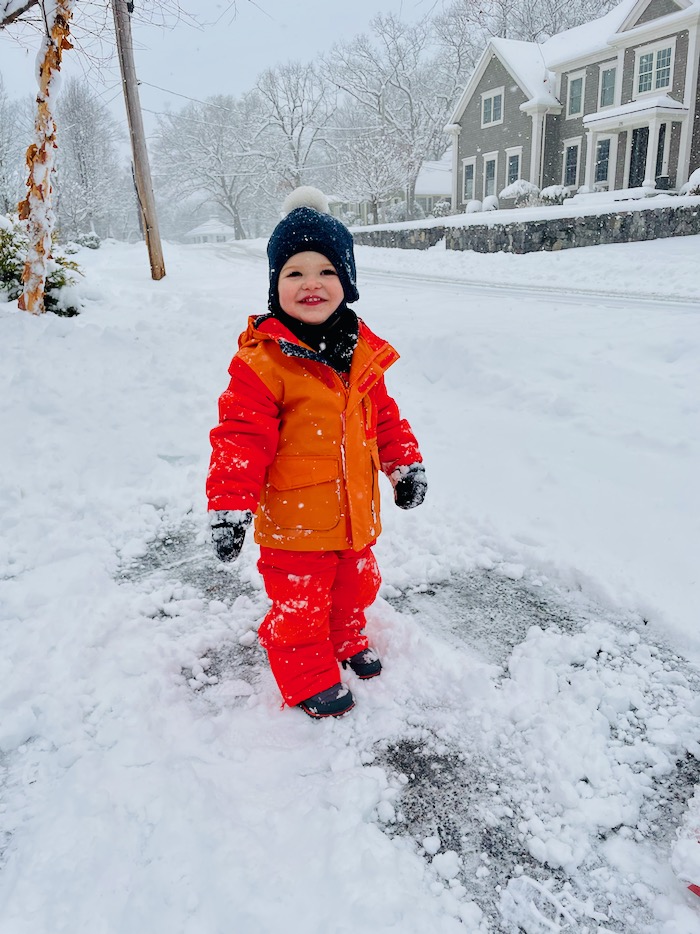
[{"x": 527, "y": 757}]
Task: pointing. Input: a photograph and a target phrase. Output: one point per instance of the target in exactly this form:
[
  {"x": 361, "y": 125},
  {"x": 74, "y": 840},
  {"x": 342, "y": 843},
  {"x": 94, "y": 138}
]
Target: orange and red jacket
[{"x": 301, "y": 445}]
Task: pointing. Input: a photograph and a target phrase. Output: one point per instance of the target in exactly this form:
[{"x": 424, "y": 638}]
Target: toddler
[{"x": 304, "y": 428}]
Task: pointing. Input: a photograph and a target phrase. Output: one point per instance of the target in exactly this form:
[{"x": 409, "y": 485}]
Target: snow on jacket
[{"x": 301, "y": 446}]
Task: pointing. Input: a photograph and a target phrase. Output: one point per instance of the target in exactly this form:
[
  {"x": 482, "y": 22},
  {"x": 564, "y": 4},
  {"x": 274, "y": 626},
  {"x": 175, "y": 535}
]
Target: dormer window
[
  {"x": 654, "y": 68},
  {"x": 492, "y": 107}
]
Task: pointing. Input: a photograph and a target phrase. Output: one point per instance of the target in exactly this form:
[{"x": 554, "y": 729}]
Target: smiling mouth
[{"x": 312, "y": 300}]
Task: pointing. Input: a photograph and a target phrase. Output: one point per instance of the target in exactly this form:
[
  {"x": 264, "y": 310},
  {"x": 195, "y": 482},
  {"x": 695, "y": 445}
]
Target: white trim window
[
  {"x": 575, "y": 94},
  {"x": 514, "y": 164},
  {"x": 492, "y": 107},
  {"x": 653, "y": 67},
  {"x": 571, "y": 162},
  {"x": 602, "y": 164},
  {"x": 490, "y": 173},
  {"x": 468, "y": 179},
  {"x": 606, "y": 92}
]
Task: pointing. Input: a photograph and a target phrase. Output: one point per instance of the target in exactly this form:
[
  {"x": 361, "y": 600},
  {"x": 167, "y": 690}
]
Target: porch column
[
  {"x": 591, "y": 140},
  {"x": 652, "y": 148},
  {"x": 536, "y": 147},
  {"x": 453, "y": 130},
  {"x": 612, "y": 167}
]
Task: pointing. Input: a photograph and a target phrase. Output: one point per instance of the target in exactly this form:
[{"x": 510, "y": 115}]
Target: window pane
[
  {"x": 663, "y": 68},
  {"x": 575, "y": 96},
  {"x": 607, "y": 88},
  {"x": 490, "y": 175},
  {"x": 497, "y": 107},
  {"x": 602, "y": 160},
  {"x": 513, "y": 169},
  {"x": 646, "y": 66},
  {"x": 487, "y": 109},
  {"x": 468, "y": 182},
  {"x": 570, "y": 165}
]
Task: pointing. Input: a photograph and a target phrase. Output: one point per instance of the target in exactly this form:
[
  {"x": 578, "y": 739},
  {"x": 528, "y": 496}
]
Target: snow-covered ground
[{"x": 532, "y": 747}]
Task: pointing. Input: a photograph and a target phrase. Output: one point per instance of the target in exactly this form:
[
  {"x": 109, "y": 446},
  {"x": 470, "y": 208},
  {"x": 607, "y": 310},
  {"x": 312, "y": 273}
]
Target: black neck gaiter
[{"x": 334, "y": 340}]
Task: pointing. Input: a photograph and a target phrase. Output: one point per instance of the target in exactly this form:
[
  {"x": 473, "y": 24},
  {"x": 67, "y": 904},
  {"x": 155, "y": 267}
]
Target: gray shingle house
[{"x": 611, "y": 104}]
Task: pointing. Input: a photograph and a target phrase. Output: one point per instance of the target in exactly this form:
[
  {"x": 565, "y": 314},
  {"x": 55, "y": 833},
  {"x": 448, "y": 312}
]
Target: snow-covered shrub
[
  {"x": 398, "y": 213},
  {"x": 442, "y": 208},
  {"x": 524, "y": 193},
  {"x": 60, "y": 295},
  {"x": 490, "y": 203},
  {"x": 554, "y": 194},
  {"x": 473, "y": 207},
  {"x": 90, "y": 240},
  {"x": 692, "y": 186}
]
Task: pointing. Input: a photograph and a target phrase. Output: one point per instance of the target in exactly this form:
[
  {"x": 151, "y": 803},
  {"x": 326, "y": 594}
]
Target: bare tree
[
  {"x": 37, "y": 207},
  {"x": 87, "y": 163},
  {"x": 391, "y": 76},
  {"x": 531, "y": 20},
  {"x": 371, "y": 161},
  {"x": 13, "y": 129},
  {"x": 208, "y": 150},
  {"x": 297, "y": 105}
]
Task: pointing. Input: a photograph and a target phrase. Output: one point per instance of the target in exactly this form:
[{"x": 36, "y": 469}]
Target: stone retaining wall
[
  {"x": 556, "y": 233},
  {"x": 413, "y": 238}
]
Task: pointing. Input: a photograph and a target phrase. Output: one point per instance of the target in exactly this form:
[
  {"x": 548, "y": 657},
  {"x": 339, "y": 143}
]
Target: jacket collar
[{"x": 372, "y": 358}]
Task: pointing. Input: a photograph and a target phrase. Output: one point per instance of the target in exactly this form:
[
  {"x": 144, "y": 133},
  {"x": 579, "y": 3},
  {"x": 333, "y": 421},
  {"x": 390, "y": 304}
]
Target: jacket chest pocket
[{"x": 303, "y": 492}]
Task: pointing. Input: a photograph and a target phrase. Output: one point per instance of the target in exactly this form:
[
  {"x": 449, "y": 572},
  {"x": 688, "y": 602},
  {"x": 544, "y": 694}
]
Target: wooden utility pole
[{"x": 142, "y": 171}]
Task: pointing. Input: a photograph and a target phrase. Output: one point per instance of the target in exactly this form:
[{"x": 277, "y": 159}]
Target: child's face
[{"x": 309, "y": 288}]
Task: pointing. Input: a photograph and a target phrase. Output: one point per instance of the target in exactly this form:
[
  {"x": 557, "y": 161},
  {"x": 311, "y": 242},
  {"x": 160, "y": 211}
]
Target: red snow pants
[{"x": 317, "y": 615}]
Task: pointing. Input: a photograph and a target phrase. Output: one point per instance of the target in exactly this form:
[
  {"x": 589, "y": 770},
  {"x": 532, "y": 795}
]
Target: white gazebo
[{"x": 211, "y": 231}]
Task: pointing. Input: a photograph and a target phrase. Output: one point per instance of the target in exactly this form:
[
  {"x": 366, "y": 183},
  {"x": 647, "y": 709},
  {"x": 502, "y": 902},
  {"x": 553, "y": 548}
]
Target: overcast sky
[{"x": 225, "y": 55}]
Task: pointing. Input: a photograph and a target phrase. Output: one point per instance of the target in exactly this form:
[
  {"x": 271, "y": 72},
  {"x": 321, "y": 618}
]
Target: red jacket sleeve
[
  {"x": 397, "y": 443},
  {"x": 244, "y": 442}
]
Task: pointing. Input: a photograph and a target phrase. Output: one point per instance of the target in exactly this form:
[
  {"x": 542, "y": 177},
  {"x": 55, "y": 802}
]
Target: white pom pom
[{"x": 305, "y": 197}]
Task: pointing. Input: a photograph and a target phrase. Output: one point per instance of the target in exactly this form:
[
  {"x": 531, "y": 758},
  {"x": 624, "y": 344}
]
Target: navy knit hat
[{"x": 308, "y": 226}]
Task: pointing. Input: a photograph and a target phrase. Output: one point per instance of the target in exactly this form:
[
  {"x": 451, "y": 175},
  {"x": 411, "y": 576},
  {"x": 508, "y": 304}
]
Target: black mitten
[
  {"x": 228, "y": 528},
  {"x": 411, "y": 487}
]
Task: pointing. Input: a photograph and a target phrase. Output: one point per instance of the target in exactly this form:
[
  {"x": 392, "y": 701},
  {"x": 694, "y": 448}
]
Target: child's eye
[
  {"x": 328, "y": 272},
  {"x": 292, "y": 272}
]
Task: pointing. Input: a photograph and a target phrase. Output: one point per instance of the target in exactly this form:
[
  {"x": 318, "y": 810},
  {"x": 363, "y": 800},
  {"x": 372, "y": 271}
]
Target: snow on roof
[
  {"x": 663, "y": 102},
  {"x": 526, "y": 62},
  {"x": 435, "y": 178},
  {"x": 212, "y": 226},
  {"x": 587, "y": 38}
]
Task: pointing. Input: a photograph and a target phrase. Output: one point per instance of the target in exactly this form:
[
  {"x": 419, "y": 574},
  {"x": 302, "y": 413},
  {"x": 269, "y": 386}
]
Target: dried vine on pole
[{"x": 36, "y": 209}]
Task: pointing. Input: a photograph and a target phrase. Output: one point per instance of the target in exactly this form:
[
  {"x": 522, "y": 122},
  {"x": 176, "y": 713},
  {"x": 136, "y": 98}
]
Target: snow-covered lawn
[{"x": 538, "y": 720}]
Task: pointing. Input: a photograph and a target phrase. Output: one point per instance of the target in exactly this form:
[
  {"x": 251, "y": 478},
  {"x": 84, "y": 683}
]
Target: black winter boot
[
  {"x": 333, "y": 702},
  {"x": 365, "y": 664}
]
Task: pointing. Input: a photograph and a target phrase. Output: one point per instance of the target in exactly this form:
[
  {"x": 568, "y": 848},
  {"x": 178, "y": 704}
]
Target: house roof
[
  {"x": 524, "y": 61},
  {"x": 663, "y": 103},
  {"x": 212, "y": 226},
  {"x": 587, "y": 38},
  {"x": 435, "y": 178},
  {"x": 527, "y": 64}
]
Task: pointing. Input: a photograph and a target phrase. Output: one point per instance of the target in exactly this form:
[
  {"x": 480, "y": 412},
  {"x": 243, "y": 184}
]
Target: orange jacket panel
[{"x": 301, "y": 445}]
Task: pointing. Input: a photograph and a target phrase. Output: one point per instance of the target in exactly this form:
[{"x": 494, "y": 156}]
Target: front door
[{"x": 638, "y": 156}]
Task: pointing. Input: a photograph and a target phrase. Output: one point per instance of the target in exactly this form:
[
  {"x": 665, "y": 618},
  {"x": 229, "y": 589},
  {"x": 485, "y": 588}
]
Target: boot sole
[
  {"x": 375, "y": 674},
  {"x": 322, "y": 716}
]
